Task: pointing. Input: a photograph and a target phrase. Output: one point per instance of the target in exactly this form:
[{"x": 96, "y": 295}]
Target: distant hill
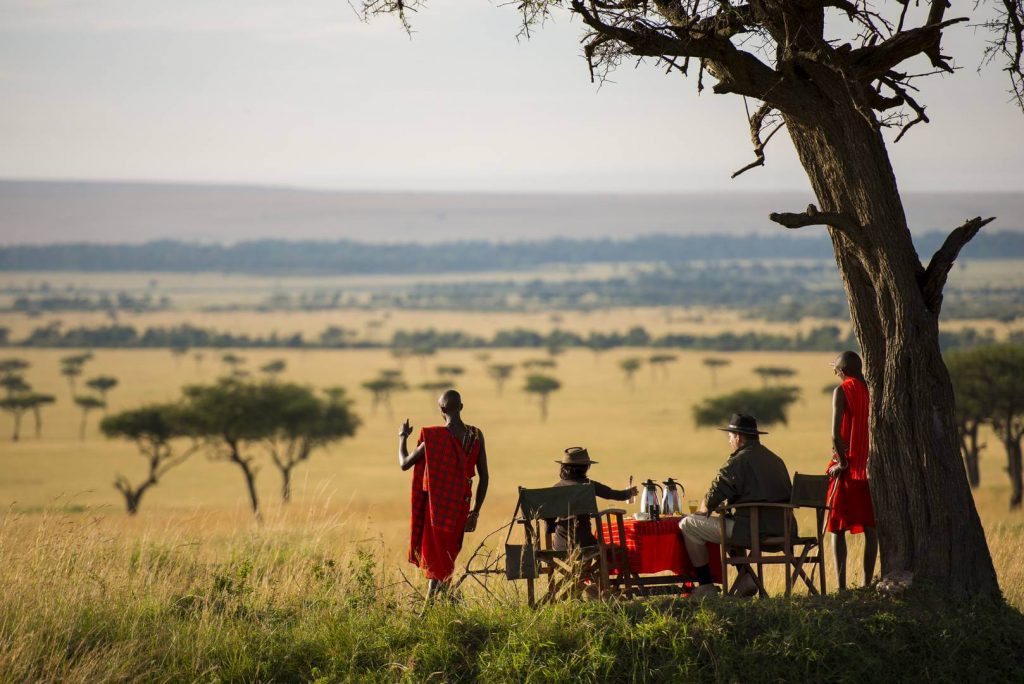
[{"x": 41, "y": 212}]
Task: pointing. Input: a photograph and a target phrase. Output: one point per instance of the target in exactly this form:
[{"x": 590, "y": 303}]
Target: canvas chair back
[
  {"x": 809, "y": 491},
  {"x": 557, "y": 502}
]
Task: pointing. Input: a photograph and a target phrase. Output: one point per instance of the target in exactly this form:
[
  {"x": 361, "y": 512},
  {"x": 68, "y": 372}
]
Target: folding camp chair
[
  {"x": 790, "y": 550},
  {"x": 567, "y": 571}
]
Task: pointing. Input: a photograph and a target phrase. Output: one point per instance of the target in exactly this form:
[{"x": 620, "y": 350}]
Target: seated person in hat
[
  {"x": 753, "y": 473},
  {"x": 575, "y": 530}
]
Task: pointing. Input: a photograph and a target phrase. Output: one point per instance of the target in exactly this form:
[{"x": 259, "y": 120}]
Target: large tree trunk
[{"x": 927, "y": 521}]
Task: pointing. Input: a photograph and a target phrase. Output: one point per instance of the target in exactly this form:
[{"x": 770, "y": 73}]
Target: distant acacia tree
[
  {"x": 423, "y": 352},
  {"x": 500, "y": 373},
  {"x": 37, "y": 401},
  {"x": 482, "y": 357},
  {"x": 17, "y": 405},
  {"x": 400, "y": 354},
  {"x": 769, "y": 374},
  {"x": 87, "y": 403},
  {"x": 178, "y": 352},
  {"x": 381, "y": 388},
  {"x": 13, "y": 366},
  {"x": 991, "y": 380},
  {"x": 234, "y": 362},
  {"x": 13, "y": 384},
  {"x": 661, "y": 362},
  {"x": 968, "y": 373},
  {"x": 300, "y": 422},
  {"x": 629, "y": 367},
  {"x": 542, "y": 386},
  {"x": 434, "y": 386},
  {"x": 274, "y": 368},
  {"x": 153, "y": 429},
  {"x": 450, "y": 371},
  {"x": 71, "y": 367},
  {"x": 769, "y": 406},
  {"x": 539, "y": 363},
  {"x": 101, "y": 385},
  {"x": 713, "y": 363},
  {"x": 228, "y": 417}
]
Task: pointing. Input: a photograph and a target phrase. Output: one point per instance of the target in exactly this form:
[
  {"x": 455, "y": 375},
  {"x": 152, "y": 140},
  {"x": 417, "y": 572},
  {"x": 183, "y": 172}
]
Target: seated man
[
  {"x": 576, "y": 531},
  {"x": 753, "y": 473}
]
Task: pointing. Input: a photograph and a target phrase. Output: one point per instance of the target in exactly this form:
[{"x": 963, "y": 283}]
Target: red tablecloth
[{"x": 657, "y": 546}]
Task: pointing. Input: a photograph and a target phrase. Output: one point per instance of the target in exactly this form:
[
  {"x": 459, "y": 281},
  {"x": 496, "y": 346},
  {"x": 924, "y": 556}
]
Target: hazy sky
[{"x": 301, "y": 93}]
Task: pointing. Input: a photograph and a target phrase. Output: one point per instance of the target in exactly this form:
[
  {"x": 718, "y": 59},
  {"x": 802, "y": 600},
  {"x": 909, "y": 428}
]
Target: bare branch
[
  {"x": 757, "y": 124},
  {"x": 934, "y": 277},
  {"x": 873, "y": 62},
  {"x": 813, "y": 217},
  {"x": 1008, "y": 44}
]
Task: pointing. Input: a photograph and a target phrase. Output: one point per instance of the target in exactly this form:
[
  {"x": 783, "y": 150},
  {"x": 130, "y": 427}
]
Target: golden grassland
[{"x": 354, "y": 492}]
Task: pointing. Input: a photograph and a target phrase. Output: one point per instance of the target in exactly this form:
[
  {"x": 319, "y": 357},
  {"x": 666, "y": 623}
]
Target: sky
[{"x": 303, "y": 94}]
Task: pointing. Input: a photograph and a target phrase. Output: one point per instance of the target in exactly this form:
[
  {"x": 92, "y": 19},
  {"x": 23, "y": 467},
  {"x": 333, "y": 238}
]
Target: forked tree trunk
[
  {"x": 970, "y": 449},
  {"x": 927, "y": 521},
  {"x": 1014, "y": 470}
]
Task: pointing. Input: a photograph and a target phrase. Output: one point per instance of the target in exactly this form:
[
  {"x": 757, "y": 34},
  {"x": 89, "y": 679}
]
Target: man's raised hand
[{"x": 406, "y": 429}]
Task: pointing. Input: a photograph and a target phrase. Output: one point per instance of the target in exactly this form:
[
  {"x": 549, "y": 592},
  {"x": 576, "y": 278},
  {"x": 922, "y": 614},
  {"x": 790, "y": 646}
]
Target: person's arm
[
  {"x": 405, "y": 459},
  {"x": 481, "y": 486},
  {"x": 606, "y": 492},
  {"x": 838, "y": 409},
  {"x": 724, "y": 487}
]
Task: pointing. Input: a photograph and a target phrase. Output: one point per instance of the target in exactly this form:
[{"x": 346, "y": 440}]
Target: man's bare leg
[
  {"x": 839, "y": 557},
  {"x": 870, "y": 554}
]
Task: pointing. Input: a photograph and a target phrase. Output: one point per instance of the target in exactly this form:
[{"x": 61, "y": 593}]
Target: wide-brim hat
[
  {"x": 576, "y": 456},
  {"x": 743, "y": 424}
]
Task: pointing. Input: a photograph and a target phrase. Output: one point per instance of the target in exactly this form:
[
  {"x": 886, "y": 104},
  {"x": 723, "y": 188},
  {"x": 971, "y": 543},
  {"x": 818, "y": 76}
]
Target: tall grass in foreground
[{"x": 84, "y": 602}]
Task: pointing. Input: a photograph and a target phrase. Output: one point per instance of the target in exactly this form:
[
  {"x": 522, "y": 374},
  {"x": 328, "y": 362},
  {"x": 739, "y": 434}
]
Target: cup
[{"x": 692, "y": 505}]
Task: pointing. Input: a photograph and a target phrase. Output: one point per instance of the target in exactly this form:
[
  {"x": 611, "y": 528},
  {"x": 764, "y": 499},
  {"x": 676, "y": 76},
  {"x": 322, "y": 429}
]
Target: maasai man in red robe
[
  {"x": 849, "y": 494},
  {"x": 444, "y": 462}
]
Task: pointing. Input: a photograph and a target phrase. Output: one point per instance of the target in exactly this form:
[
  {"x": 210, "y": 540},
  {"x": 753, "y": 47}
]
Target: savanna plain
[{"x": 193, "y": 588}]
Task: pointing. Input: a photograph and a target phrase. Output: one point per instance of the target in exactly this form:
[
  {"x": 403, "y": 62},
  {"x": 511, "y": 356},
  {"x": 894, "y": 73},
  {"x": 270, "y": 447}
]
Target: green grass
[{"x": 92, "y": 609}]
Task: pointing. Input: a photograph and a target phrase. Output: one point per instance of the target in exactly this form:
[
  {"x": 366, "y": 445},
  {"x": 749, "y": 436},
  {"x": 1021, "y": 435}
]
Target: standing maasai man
[
  {"x": 445, "y": 460},
  {"x": 849, "y": 494}
]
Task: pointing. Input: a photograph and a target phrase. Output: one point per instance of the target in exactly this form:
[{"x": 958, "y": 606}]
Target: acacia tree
[
  {"x": 629, "y": 367},
  {"x": 542, "y": 386},
  {"x": 770, "y": 373},
  {"x": 87, "y": 403},
  {"x": 990, "y": 383},
  {"x": 768, "y": 405},
  {"x": 834, "y": 96},
  {"x": 713, "y": 363},
  {"x": 382, "y": 388},
  {"x": 971, "y": 408},
  {"x": 299, "y": 423},
  {"x": 153, "y": 429},
  {"x": 661, "y": 362},
  {"x": 500, "y": 373},
  {"x": 102, "y": 384},
  {"x": 228, "y": 417}
]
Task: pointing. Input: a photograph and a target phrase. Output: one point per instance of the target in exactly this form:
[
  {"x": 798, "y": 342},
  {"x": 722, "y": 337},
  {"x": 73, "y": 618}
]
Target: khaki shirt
[{"x": 753, "y": 473}]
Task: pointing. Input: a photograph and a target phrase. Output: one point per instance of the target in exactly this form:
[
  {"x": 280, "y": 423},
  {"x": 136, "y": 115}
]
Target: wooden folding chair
[
  {"x": 790, "y": 550},
  {"x": 566, "y": 570}
]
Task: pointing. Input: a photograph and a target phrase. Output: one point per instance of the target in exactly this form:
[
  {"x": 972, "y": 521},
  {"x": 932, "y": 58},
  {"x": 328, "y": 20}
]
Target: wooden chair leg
[{"x": 531, "y": 599}]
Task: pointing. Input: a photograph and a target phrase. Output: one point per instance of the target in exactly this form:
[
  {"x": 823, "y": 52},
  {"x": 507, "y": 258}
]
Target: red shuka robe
[
  {"x": 849, "y": 494},
  {"x": 442, "y": 485}
]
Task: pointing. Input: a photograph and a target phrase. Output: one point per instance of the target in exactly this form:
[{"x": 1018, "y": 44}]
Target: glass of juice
[{"x": 693, "y": 506}]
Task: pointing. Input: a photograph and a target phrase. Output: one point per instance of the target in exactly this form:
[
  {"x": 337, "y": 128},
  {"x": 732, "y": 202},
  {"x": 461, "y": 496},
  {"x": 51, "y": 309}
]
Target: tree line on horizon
[
  {"x": 184, "y": 337},
  {"x": 281, "y": 257}
]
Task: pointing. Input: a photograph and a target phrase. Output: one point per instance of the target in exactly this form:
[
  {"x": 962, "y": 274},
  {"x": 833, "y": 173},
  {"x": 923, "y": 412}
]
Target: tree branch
[
  {"x": 813, "y": 217},
  {"x": 934, "y": 277},
  {"x": 757, "y": 122},
  {"x": 870, "y": 63}
]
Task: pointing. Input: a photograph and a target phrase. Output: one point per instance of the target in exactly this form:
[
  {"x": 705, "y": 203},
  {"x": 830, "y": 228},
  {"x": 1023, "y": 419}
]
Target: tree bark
[{"x": 927, "y": 521}]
